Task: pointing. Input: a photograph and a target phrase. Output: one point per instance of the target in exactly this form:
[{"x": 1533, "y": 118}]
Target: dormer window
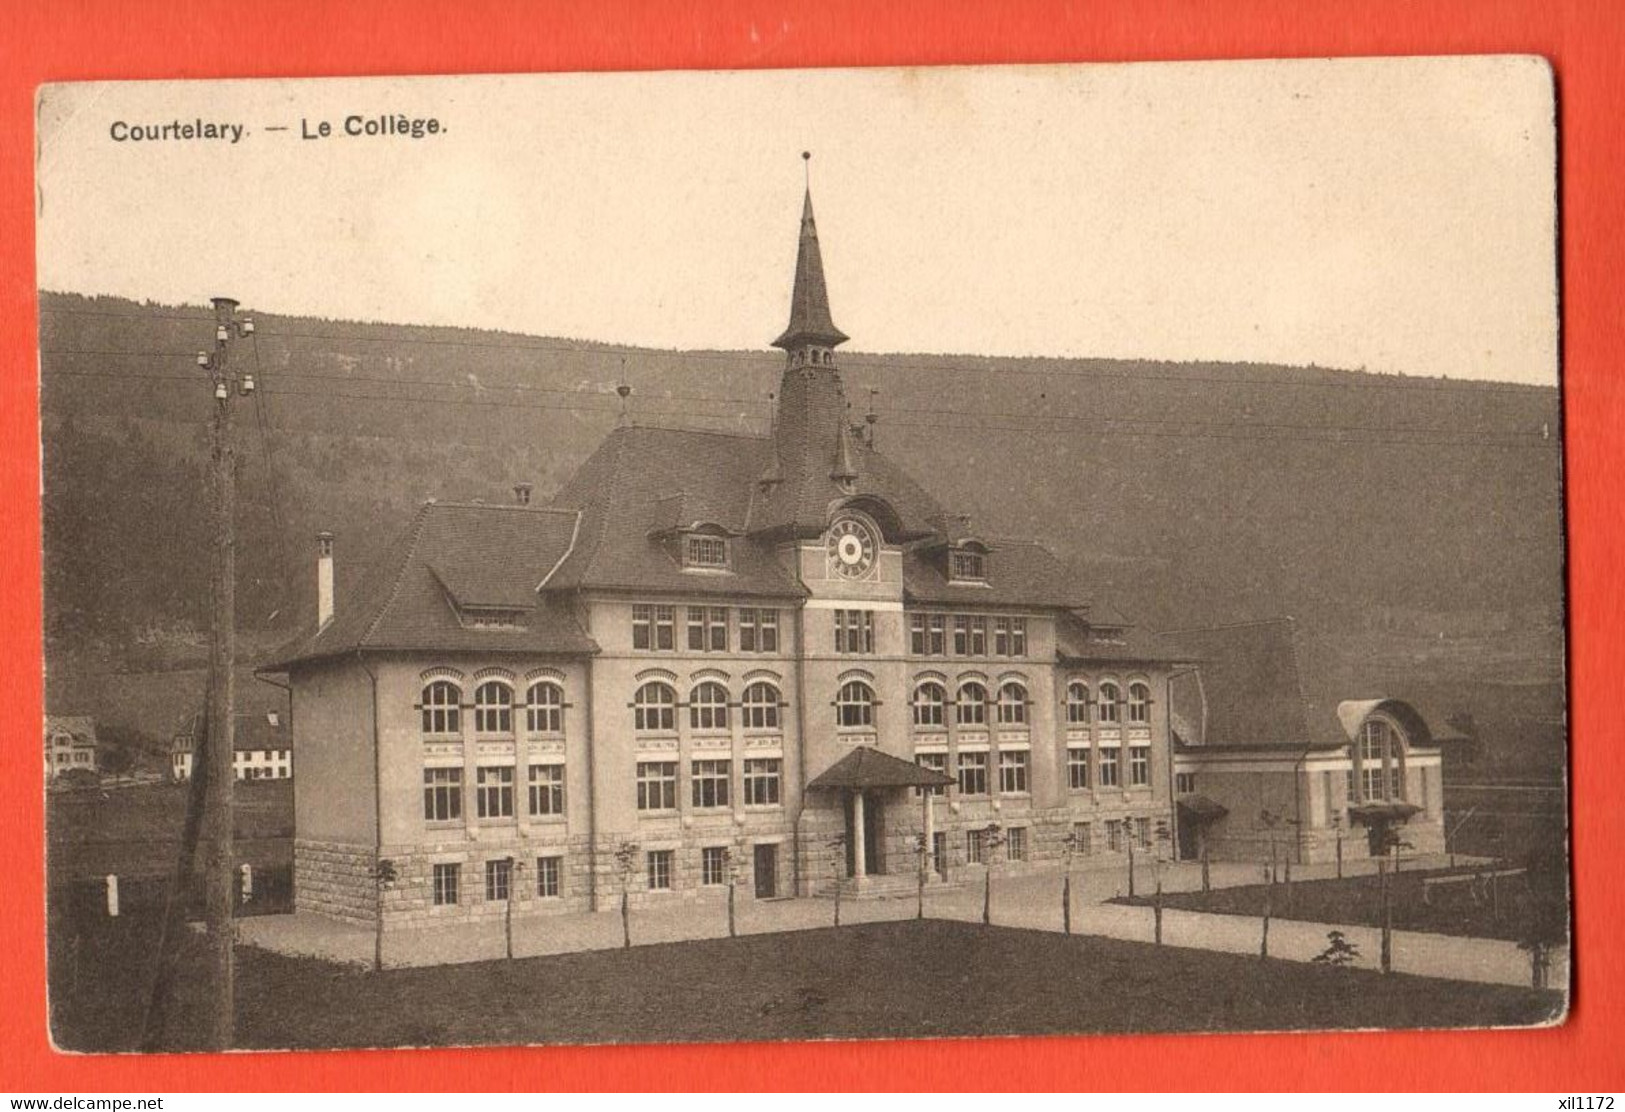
[
  {"x": 967, "y": 565},
  {"x": 703, "y": 551}
]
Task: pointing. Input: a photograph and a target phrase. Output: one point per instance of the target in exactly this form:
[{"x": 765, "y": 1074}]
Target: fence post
[
  {"x": 248, "y": 881},
  {"x": 112, "y": 895}
]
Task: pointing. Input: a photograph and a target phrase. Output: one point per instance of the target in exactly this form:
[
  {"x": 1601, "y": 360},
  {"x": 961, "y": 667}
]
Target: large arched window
[
  {"x": 493, "y": 708},
  {"x": 654, "y": 707},
  {"x": 1379, "y": 777},
  {"x": 1077, "y": 703},
  {"x": 855, "y": 704},
  {"x": 760, "y": 706},
  {"x": 441, "y": 711},
  {"x": 708, "y": 706},
  {"x": 1111, "y": 703},
  {"x": 544, "y": 708},
  {"x": 1012, "y": 704},
  {"x": 930, "y": 698},
  {"x": 1139, "y": 703},
  {"x": 970, "y": 705}
]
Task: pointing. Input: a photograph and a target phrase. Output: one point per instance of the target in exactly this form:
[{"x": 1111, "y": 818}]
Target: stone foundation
[{"x": 334, "y": 879}]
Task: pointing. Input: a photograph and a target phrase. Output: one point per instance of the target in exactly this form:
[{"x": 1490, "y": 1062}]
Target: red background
[{"x": 1585, "y": 41}]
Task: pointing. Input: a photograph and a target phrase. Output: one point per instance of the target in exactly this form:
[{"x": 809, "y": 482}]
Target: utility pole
[{"x": 219, "y": 856}]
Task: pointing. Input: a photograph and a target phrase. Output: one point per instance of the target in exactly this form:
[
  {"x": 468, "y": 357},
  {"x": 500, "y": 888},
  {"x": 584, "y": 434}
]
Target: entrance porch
[{"x": 873, "y": 792}]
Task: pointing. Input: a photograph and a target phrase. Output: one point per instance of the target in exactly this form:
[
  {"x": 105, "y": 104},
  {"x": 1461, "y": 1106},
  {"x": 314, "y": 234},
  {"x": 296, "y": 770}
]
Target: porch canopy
[
  {"x": 866, "y": 768},
  {"x": 1382, "y": 812},
  {"x": 1202, "y": 808}
]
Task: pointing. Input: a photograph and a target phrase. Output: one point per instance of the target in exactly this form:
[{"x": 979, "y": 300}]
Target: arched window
[
  {"x": 970, "y": 705},
  {"x": 760, "y": 706},
  {"x": 930, "y": 698},
  {"x": 1012, "y": 704},
  {"x": 1379, "y": 778},
  {"x": 441, "y": 713},
  {"x": 1111, "y": 700},
  {"x": 708, "y": 706},
  {"x": 544, "y": 708},
  {"x": 1139, "y": 703},
  {"x": 855, "y": 704},
  {"x": 1077, "y": 703},
  {"x": 654, "y": 707},
  {"x": 493, "y": 708}
]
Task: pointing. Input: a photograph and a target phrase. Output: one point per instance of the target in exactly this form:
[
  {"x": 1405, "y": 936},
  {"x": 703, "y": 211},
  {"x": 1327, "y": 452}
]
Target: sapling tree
[
  {"x": 922, "y": 850},
  {"x": 384, "y": 875},
  {"x": 992, "y": 839},
  {"x": 626, "y": 860},
  {"x": 1269, "y": 909},
  {"x": 1163, "y": 837},
  {"x": 1073, "y": 845},
  {"x": 1339, "y": 953},
  {"x": 730, "y": 865},
  {"x": 507, "y": 908},
  {"x": 837, "y": 869}
]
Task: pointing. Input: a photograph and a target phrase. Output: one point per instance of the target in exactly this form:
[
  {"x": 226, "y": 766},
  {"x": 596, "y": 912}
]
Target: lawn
[
  {"x": 903, "y": 979},
  {"x": 1467, "y": 908}
]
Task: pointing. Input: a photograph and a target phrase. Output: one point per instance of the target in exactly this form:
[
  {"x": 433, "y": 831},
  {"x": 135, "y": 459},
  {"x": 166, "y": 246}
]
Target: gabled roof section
[
  {"x": 625, "y": 494},
  {"x": 1082, "y": 641},
  {"x": 1019, "y": 573},
  {"x": 455, "y": 555},
  {"x": 1248, "y": 693},
  {"x": 868, "y": 767},
  {"x": 810, "y": 321}
]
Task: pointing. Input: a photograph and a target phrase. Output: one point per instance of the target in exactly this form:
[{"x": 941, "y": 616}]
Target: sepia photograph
[{"x": 680, "y": 557}]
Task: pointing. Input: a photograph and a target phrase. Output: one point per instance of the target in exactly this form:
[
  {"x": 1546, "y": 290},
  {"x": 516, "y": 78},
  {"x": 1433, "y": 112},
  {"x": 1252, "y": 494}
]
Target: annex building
[{"x": 776, "y": 659}]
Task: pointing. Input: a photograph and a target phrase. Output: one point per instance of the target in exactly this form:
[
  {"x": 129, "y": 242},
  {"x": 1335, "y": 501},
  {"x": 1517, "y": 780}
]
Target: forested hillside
[{"x": 1412, "y": 525}]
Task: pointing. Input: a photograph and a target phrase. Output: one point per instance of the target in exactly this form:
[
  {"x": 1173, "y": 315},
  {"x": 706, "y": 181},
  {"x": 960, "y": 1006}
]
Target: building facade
[
  {"x": 70, "y": 743},
  {"x": 262, "y": 749},
  {"x": 773, "y": 661}
]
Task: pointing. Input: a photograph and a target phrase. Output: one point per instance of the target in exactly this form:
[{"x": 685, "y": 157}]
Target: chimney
[
  {"x": 324, "y": 579},
  {"x": 521, "y": 493}
]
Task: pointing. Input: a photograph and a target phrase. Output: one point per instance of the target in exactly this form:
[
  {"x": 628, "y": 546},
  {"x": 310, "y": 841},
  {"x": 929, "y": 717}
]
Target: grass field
[
  {"x": 904, "y": 979},
  {"x": 1466, "y": 908}
]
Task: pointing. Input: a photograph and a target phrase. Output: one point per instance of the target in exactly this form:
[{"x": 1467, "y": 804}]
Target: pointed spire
[
  {"x": 846, "y": 466},
  {"x": 810, "y": 321}
]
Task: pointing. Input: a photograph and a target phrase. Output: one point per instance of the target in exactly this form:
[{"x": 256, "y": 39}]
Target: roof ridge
[
  {"x": 400, "y": 575},
  {"x": 1285, "y": 619},
  {"x": 589, "y": 554},
  {"x": 460, "y": 505},
  {"x": 575, "y": 532}
]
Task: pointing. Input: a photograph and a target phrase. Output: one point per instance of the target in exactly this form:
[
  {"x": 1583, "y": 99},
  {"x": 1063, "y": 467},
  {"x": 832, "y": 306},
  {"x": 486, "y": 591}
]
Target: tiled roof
[
  {"x": 469, "y": 553},
  {"x": 253, "y": 730},
  {"x": 810, "y": 320},
  {"x": 1247, "y": 691},
  {"x": 867, "y": 767},
  {"x": 642, "y": 480},
  {"x": 1019, "y": 573},
  {"x": 1080, "y": 641}
]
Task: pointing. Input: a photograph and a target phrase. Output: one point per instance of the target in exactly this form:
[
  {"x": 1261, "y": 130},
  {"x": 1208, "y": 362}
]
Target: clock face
[{"x": 851, "y": 547}]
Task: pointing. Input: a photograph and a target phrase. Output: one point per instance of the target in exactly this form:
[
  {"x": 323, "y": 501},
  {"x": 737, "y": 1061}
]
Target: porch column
[
  {"x": 930, "y": 831},
  {"x": 857, "y": 836}
]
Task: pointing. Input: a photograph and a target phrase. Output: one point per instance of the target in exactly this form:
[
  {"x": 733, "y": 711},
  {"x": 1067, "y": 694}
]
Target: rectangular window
[
  {"x": 1077, "y": 768},
  {"x": 758, "y": 630},
  {"x": 660, "y": 870},
  {"x": 445, "y": 884},
  {"x": 1139, "y": 765},
  {"x": 1082, "y": 839},
  {"x": 657, "y": 785},
  {"x": 975, "y": 847},
  {"x": 493, "y": 792},
  {"x": 978, "y": 637},
  {"x": 1184, "y": 783},
  {"x": 936, "y": 762},
  {"x": 1114, "y": 835},
  {"x": 708, "y": 629},
  {"x": 654, "y": 627},
  {"x": 1013, "y": 772},
  {"x": 961, "y": 635},
  {"x": 762, "y": 775},
  {"x": 547, "y": 789},
  {"x": 548, "y": 870},
  {"x": 854, "y": 631},
  {"x": 1108, "y": 767},
  {"x": 1001, "y": 636},
  {"x": 1018, "y": 636},
  {"x": 967, "y": 566},
  {"x": 1142, "y": 833},
  {"x": 916, "y": 634},
  {"x": 1016, "y": 843},
  {"x": 928, "y": 634},
  {"x": 973, "y": 774},
  {"x": 707, "y": 552},
  {"x": 714, "y": 865},
  {"x": 497, "y": 876},
  {"x": 1348, "y": 787},
  {"x": 1375, "y": 782},
  {"x": 710, "y": 782}
]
